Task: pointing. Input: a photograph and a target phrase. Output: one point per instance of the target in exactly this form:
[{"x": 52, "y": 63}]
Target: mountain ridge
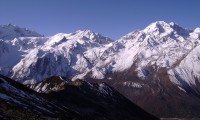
[
  {"x": 158, "y": 59},
  {"x": 9, "y": 32}
]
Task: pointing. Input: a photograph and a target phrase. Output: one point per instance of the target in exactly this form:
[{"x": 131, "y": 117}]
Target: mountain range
[{"x": 157, "y": 68}]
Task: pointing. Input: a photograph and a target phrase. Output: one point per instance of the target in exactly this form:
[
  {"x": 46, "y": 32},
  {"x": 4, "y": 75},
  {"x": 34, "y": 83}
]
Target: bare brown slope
[
  {"x": 77, "y": 100},
  {"x": 158, "y": 95}
]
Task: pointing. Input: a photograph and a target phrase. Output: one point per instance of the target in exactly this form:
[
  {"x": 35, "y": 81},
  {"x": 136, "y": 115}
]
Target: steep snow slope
[
  {"x": 24, "y": 44},
  {"x": 12, "y": 51},
  {"x": 188, "y": 69},
  {"x": 9, "y": 56},
  {"x": 14, "y": 43}
]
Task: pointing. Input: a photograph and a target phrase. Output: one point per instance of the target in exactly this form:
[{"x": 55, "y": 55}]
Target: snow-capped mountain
[
  {"x": 9, "y": 32},
  {"x": 161, "y": 44},
  {"x": 62, "y": 54},
  {"x": 160, "y": 59}
]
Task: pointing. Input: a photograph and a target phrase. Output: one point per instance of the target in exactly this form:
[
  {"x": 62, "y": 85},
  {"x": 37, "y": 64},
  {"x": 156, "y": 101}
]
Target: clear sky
[{"x": 113, "y": 18}]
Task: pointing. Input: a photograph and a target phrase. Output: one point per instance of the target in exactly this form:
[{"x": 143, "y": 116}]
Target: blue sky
[{"x": 113, "y": 18}]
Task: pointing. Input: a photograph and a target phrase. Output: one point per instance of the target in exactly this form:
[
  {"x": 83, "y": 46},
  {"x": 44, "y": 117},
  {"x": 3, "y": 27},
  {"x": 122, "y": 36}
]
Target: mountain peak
[
  {"x": 91, "y": 35},
  {"x": 9, "y": 32},
  {"x": 86, "y": 32},
  {"x": 158, "y": 27},
  {"x": 197, "y": 30},
  {"x": 161, "y": 23},
  {"x": 162, "y": 27}
]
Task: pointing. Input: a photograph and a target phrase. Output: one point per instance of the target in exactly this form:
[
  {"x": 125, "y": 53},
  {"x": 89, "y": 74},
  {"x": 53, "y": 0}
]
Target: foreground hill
[{"x": 60, "y": 99}]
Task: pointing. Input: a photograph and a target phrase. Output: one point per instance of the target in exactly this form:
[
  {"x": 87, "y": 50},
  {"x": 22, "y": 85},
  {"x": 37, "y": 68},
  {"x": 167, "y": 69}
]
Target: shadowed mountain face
[
  {"x": 60, "y": 99},
  {"x": 156, "y": 94}
]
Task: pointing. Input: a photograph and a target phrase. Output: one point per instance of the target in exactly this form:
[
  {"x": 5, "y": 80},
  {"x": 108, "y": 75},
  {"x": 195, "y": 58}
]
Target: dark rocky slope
[{"x": 61, "y": 99}]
